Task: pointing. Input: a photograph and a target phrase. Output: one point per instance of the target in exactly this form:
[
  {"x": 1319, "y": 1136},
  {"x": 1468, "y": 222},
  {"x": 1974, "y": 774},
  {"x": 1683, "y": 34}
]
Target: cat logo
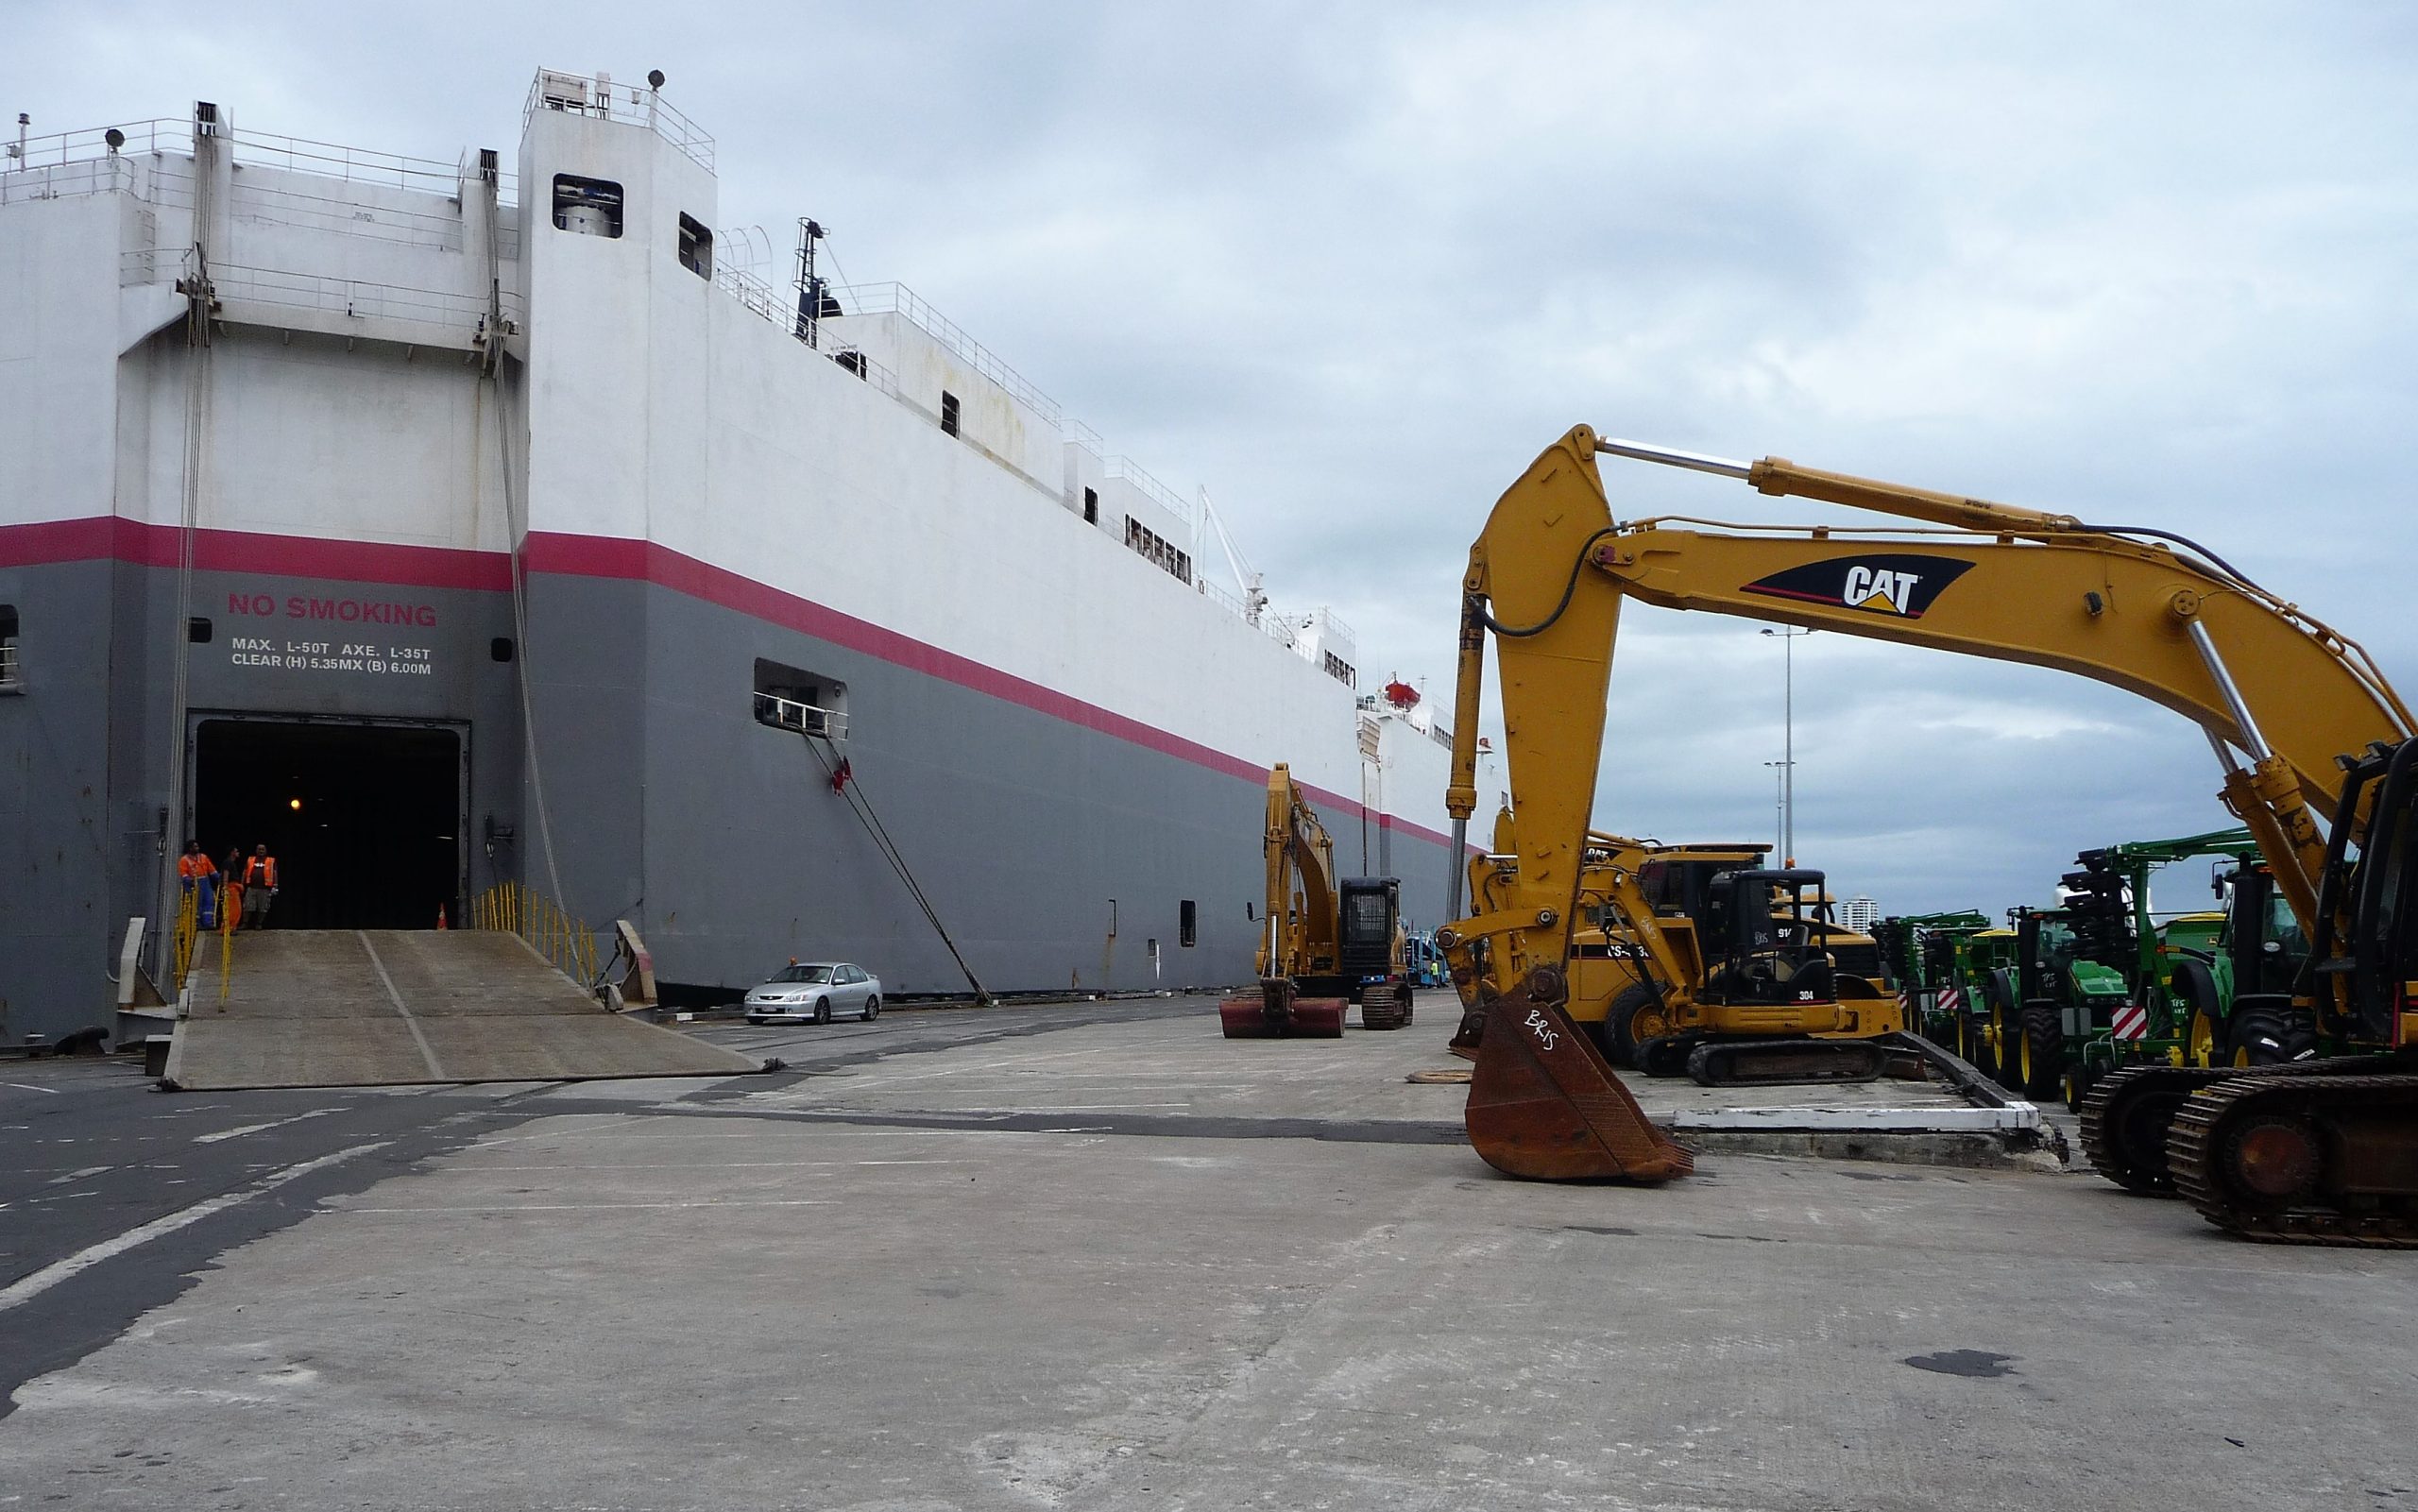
[
  {"x": 1899, "y": 584},
  {"x": 1878, "y": 587}
]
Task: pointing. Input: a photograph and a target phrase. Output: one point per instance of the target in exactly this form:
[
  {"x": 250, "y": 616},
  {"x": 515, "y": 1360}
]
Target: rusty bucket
[{"x": 1544, "y": 1104}]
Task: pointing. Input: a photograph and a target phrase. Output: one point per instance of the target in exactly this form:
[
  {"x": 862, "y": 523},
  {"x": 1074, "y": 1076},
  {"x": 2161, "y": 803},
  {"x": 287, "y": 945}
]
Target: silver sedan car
[{"x": 817, "y": 990}]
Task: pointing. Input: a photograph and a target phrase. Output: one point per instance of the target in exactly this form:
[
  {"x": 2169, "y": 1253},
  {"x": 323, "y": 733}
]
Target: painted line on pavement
[
  {"x": 254, "y": 1129},
  {"x": 25, "y": 1288}
]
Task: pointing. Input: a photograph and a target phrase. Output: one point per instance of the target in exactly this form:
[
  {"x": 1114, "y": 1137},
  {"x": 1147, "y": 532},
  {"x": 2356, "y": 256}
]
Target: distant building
[{"x": 1858, "y": 913}]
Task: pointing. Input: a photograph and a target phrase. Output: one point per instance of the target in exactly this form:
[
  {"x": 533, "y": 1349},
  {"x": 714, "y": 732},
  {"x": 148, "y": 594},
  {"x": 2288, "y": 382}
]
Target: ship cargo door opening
[{"x": 364, "y": 820}]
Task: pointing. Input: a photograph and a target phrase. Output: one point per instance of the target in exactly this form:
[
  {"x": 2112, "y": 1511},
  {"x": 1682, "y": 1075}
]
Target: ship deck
[{"x": 1093, "y": 1256}]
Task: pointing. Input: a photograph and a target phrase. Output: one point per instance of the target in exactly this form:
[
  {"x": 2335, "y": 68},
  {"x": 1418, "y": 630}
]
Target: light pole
[
  {"x": 1780, "y": 808},
  {"x": 1788, "y": 635}
]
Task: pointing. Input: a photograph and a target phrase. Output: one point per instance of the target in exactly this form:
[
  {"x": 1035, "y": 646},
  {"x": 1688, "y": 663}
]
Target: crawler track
[{"x": 2355, "y": 1187}]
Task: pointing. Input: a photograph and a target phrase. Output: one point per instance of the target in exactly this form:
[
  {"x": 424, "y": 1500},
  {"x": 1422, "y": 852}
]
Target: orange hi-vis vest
[
  {"x": 259, "y": 870},
  {"x": 189, "y": 867}
]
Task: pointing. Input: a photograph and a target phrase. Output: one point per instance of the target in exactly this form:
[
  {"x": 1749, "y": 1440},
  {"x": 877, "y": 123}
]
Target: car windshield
[{"x": 803, "y": 974}]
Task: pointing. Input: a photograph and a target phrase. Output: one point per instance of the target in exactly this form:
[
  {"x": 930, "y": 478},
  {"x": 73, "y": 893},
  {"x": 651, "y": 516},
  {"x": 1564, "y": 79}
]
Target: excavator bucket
[
  {"x": 1544, "y": 1104},
  {"x": 1279, "y": 1012}
]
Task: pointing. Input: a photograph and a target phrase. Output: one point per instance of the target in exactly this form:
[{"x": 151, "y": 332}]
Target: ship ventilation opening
[{"x": 364, "y": 820}]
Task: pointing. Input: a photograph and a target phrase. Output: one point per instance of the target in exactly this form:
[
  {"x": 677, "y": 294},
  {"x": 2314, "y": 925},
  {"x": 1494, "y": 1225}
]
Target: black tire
[
  {"x": 2260, "y": 1033},
  {"x": 2043, "y": 1049},
  {"x": 823, "y": 1010},
  {"x": 2204, "y": 1019},
  {"x": 755, "y": 1018},
  {"x": 872, "y": 1008},
  {"x": 1405, "y": 1004},
  {"x": 1637, "y": 1006},
  {"x": 1975, "y": 1046},
  {"x": 2006, "y": 1034}
]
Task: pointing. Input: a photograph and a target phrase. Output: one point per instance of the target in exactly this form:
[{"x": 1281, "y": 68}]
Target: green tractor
[
  {"x": 2228, "y": 975},
  {"x": 2094, "y": 982},
  {"x": 1917, "y": 958}
]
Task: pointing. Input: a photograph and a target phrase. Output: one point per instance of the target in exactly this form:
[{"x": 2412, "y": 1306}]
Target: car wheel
[
  {"x": 823, "y": 1010},
  {"x": 873, "y": 1008}
]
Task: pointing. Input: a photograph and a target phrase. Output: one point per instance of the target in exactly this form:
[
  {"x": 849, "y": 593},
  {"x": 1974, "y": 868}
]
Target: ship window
[
  {"x": 948, "y": 413},
  {"x": 1091, "y": 507},
  {"x": 792, "y": 698},
  {"x": 198, "y": 630},
  {"x": 500, "y": 649},
  {"x": 853, "y": 360},
  {"x": 591, "y": 207},
  {"x": 1187, "y": 932},
  {"x": 696, "y": 249},
  {"x": 8, "y": 672}
]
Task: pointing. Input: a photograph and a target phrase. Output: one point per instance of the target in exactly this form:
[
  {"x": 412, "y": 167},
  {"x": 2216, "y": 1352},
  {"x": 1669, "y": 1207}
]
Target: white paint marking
[
  {"x": 600, "y": 1207},
  {"x": 410, "y": 1023},
  {"x": 22, "y": 1086},
  {"x": 26, "y": 1288},
  {"x": 76, "y": 1176},
  {"x": 254, "y": 1129}
]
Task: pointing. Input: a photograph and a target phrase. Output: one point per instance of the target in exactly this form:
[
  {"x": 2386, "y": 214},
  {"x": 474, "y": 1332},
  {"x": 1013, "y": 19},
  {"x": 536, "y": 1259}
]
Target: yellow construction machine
[
  {"x": 2315, "y": 747},
  {"x": 1325, "y": 943},
  {"x": 1700, "y": 960}
]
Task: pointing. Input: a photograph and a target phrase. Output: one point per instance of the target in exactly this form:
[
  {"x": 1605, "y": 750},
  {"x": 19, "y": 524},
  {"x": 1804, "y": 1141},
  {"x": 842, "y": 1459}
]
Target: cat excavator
[
  {"x": 1656, "y": 976},
  {"x": 1325, "y": 944},
  {"x": 2315, "y": 749}
]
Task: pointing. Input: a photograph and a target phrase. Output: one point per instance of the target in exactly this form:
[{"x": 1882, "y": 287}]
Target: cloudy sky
[{"x": 1352, "y": 266}]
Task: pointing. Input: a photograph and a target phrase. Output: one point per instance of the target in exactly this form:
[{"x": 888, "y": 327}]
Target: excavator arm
[{"x": 1298, "y": 936}]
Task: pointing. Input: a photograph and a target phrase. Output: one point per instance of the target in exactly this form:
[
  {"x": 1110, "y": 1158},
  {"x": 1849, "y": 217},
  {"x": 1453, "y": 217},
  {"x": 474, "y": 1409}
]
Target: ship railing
[
  {"x": 561, "y": 936},
  {"x": 804, "y": 718},
  {"x": 777, "y": 304},
  {"x": 355, "y": 298},
  {"x": 630, "y": 104},
  {"x": 60, "y": 147},
  {"x": 169, "y": 136},
  {"x": 897, "y": 298},
  {"x": 68, "y": 180},
  {"x": 12, "y": 677},
  {"x": 1129, "y": 470}
]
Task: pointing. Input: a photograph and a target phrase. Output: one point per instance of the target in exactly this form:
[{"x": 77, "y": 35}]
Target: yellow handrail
[{"x": 562, "y": 938}]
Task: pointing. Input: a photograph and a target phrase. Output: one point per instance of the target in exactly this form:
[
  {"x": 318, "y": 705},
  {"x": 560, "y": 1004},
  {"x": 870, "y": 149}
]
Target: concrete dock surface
[{"x": 1026, "y": 1263}]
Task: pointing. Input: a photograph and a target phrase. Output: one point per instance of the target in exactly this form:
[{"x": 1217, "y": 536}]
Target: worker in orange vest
[
  {"x": 198, "y": 875},
  {"x": 260, "y": 885}
]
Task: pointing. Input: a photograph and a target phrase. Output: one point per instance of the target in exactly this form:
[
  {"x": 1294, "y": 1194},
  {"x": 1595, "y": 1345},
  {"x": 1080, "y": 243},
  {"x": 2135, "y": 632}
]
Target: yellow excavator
[
  {"x": 1698, "y": 959},
  {"x": 1325, "y": 943},
  {"x": 2315, "y": 749}
]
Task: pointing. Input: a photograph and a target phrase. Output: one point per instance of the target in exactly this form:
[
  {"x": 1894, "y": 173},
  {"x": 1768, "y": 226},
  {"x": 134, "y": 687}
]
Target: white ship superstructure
[{"x": 442, "y": 523}]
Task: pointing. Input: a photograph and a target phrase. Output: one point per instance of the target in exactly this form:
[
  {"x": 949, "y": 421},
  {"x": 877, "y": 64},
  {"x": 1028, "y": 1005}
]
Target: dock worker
[
  {"x": 260, "y": 885},
  {"x": 196, "y": 874},
  {"x": 230, "y": 889}
]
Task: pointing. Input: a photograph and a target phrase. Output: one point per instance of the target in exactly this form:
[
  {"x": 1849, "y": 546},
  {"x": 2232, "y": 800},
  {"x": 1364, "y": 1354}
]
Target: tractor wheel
[
  {"x": 2006, "y": 1035},
  {"x": 1637, "y": 1014},
  {"x": 2043, "y": 1048},
  {"x": 2265, "y": 1031},
  {"x": 2203, "y": 1022},
  {"x": 1973, "y": 1043}
]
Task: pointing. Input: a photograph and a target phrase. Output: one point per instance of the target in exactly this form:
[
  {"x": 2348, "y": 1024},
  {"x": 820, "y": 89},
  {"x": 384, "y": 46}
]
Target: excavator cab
[{"x": 1761, "y": 921}]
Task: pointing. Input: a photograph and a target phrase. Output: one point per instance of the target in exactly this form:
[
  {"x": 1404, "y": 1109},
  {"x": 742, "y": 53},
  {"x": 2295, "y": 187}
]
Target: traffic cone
[{"x": 440, "y": 916}]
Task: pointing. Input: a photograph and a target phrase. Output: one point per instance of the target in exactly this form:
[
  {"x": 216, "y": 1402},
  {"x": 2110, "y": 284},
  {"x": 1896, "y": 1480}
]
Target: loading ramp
[{"x": 355, "y": 1007}]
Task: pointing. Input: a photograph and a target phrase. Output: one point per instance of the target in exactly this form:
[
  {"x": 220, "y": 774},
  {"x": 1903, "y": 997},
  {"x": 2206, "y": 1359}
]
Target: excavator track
[
  {"x": 2127, "y": 1118},
  {"x": 1784, "y": 1062},
  {"x": 2328, "y": 1159},
  {"x": 1383, "y": 1006}
]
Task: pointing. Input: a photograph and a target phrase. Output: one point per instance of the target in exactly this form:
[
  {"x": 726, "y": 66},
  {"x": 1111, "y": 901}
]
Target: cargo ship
[{"x": 438, "y": 524}]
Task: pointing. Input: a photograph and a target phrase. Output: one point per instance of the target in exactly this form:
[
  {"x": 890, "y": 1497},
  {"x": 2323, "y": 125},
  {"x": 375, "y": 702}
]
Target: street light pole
[{"x": 1788, "y": 636}]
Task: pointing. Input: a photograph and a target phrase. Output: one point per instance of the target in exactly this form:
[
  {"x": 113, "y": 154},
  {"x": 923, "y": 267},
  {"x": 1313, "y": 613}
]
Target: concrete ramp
[{"x": 346, "y": 1008}]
